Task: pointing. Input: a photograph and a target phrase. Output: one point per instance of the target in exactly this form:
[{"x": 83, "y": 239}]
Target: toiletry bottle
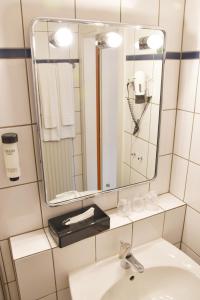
[{"x": 11, "y": 155}]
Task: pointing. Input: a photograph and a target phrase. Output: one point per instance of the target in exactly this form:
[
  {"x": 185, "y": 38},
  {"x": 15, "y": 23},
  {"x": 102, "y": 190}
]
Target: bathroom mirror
[{"x": 98, "y": 91}]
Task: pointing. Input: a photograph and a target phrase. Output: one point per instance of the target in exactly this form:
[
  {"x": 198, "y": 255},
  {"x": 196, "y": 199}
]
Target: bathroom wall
[
  {"x": 139, "y": 151},
  {"x": 186, "y": 157},
  {"x": 21, "y": 209}
]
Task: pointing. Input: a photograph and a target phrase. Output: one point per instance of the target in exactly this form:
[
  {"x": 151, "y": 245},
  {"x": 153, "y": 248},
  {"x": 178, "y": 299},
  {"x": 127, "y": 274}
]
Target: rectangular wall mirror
[{"x": 98, "y": 91}]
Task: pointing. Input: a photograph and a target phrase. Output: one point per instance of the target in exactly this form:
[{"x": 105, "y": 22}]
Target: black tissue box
[{"x": 68, "y": 234}]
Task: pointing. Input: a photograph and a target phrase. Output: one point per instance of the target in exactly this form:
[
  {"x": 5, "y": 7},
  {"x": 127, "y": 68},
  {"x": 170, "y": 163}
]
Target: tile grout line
[
  {"x": 190, "y": 249},
  {"x": 191, "y": 135},
  {"x": 178, "y": 90}
]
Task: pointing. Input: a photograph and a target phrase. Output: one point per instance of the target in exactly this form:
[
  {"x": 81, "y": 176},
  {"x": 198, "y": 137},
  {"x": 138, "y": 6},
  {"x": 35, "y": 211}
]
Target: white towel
[
  {"x": 66, "y": 93},
  {"x": 49, "y": 102}
]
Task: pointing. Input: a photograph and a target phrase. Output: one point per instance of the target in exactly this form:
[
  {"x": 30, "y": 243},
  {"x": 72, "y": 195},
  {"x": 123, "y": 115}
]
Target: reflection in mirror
[{"x": 98, "y": 90}]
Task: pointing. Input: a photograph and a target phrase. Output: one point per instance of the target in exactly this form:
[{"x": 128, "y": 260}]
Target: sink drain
[{"x": 132, "y": 278}]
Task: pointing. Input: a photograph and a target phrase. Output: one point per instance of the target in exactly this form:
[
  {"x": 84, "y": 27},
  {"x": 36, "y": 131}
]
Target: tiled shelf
[{"x": 41, "y": 240}]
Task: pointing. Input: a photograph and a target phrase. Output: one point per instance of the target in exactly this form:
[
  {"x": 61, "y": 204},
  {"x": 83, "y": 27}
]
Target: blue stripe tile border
[
  {"x": 173, "y": 55},
  {"x": 15, "y": 53},
  {"x": 144, "y": 57},
  {"x": 54, "y": 61},
  {"x": 169, "y": 55},
  {"x": 26, "y": 53},
  {"x": 190, "y": 55}
]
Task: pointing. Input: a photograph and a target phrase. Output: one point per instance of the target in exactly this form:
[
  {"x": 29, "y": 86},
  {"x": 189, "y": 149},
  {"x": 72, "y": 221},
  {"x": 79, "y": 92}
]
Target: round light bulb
[
  {"x": 155, "y": 41},
  {"x": 63, "y": 37},
  {"x": 114, "y": 39}
]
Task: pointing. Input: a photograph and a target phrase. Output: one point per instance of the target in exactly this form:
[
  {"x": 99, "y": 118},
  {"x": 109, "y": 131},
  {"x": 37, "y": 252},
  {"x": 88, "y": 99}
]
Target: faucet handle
[{"x": 124, "y": 249}]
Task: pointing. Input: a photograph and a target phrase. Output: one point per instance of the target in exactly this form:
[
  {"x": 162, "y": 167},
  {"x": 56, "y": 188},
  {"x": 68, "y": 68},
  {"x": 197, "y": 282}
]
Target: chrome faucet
[{"x": 127, "y": 258}]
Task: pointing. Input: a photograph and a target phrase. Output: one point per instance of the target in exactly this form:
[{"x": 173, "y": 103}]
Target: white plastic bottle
[{"x": 11, "y": 155}]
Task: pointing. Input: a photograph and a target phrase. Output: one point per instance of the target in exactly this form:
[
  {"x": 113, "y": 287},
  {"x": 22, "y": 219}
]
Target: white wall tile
[
  {"x": 71, "y": 258},
  {"x": 1, "y": 292},
  {"x": 140, "y": 155},
  {"x": 20, "y": 210},
  {"x": 197, "y": 106},
  {"x": 99, "y": 10},
  {"x": 41, "y": 45},
  {"x": 167, "y": 132},
  {"x": 191, "y": 36},
  {"x": 170, "y": 84},
  {"x": 6, "y": 254},
  {"x": 151, "y": 161},
  {"x": 195, "y": 145},
  {"x": 126, "y": 147},
  {"x": 14, "y": 93},
  {"x": 13, "y": 290},
  {"x": 187, "y": 85},
  {"x": 147, "y": 230},
  {"x": 178, "y": 245},
  {"x": 108, "y": 243},
  {"x": 178, "y": 176},
  {"x": 117, "y": 218},
  {"x": 153, "y": 134},
  {"x": 156, "y": 77},
  {"x": 134, "y": 191},
  {"x": 140, "y": 12},
  {"x": 161, "y": 183},
  {"x": 64, "y": 295},
  {"x": 10, "y": 24},
  {"x": 31, "y": 91},
  {"x": 192, "y": 186},
  {"x": 6, "y": 292},
  {"x": 172, "y": 22},
  {"x": 2, "y": 269},
  {"x": 50, "y": 212},
  {"x": 105, "y": 201},
  {"x": 35, "y": 8},
  {"x": 50, "y": 297},
  {"x": 190, "y": 233},
  {"x": 26, "y": 157},
  {"x": 36, "y": 143},
  {"x": 168, "y": 201},
  {"x": 144, "y": 125},
  {"x": 173, "y": 225},
  {"x": 29, "y": 243},
  {"x": 183, "y": 133},
  {"x": 190, "y": 253},
  {"x": 35, "y": 275}
]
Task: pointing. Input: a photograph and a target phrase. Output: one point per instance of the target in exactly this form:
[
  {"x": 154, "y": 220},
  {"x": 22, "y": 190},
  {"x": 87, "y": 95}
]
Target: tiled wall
[
  {"x": 139, "y": 151},
  {"x": 54, "y": 264},
  {"x": 186, "y": 158},
  {"x": 21, "y": 209}
]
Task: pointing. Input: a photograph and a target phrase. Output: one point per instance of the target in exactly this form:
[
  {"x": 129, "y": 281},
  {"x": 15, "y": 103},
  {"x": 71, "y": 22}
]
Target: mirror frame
[{"x": 37, "y": 104}]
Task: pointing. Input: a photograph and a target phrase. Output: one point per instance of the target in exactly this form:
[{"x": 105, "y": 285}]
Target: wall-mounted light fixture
[
  {"x": 63, "y": 37},
  {"x": 109, "y": 40},
  {"x": 153, "y": 41}
]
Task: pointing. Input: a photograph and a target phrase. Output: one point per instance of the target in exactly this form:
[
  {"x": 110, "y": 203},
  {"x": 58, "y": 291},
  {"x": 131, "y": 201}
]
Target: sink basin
[
  {"x": 166, "y": 283},
  {"x": 169, "y": 275}
]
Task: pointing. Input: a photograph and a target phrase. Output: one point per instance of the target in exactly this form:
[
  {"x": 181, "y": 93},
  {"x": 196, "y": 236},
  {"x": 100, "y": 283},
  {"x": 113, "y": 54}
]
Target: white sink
[{"x": 169, "y": 275}]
